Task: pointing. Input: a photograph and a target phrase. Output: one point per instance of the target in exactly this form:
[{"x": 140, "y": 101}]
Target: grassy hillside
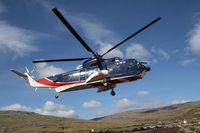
[{"x": 23, "y": 122}]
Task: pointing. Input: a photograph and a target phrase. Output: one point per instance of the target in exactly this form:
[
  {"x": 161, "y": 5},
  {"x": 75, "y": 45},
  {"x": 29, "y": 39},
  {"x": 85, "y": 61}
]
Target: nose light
[{"x": 147, "y": 69}]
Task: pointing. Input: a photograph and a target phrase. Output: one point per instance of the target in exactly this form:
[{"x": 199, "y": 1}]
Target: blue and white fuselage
[{"x": 115, "y": 71}]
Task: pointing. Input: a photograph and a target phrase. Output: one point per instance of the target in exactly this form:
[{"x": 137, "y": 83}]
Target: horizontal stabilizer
[{"x": 19, "y": 74}]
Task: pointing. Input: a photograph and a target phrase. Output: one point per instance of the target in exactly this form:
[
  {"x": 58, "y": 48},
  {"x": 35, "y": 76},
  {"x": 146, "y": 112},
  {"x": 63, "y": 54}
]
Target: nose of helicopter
[{"x": 147, "y": 68}]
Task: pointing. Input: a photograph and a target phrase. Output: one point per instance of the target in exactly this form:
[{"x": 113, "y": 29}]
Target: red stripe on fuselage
[{"x": 50, "y": 83}]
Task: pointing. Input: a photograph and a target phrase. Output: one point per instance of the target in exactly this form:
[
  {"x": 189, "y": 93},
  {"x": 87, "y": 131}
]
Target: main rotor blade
[
  {"x": 132, "y": 35},
  {"x": 72, "y": 30},
  {"x": 59, "y": 60}
]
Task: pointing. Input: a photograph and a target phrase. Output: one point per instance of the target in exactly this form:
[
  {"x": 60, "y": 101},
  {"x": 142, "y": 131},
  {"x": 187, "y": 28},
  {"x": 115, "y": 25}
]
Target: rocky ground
[{"x": 182, "y": 118}]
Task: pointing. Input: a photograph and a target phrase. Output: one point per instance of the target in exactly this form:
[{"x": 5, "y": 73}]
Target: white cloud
[
  {"x": 175, "y": 51},
  {"x": 16, "y": 107},
  {"x": 178, "y": 101},
  {"x": 106, "y": 39},
  {"x": 99, "y": 34},
  {"x": 118, "y": 106},
  {"x": 187, "y": 62},
  {"x": 93, "y": 29},
  {"x": 91, "y": 104},
  {"x": 142, "y": 93},
  {"x": 124, "y": 103},
  {"x": 162, "y": 53},
  {"x": 114, "y": 53},
  {"x": 194, "y": 40},
  {"x": 17, "y": 40},
  {"x": 45, "y": 70},
  {"x": 46, "y": 4},
  {"x": 49, "y": 108},
  {"x": 137, "y": 51}
]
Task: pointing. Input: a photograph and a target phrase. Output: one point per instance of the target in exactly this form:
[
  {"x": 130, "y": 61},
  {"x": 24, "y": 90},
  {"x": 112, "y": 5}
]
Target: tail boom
[{"x": 30, "y": 80}]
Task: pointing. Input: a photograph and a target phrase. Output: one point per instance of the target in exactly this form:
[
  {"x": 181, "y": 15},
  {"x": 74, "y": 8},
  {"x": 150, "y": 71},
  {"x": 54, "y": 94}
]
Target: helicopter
[{"x": 96, "y": 71}]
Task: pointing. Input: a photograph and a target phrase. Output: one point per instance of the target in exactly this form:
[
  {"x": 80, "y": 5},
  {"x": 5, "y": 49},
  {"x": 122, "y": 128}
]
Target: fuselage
[{"x": 119, "y": 71}]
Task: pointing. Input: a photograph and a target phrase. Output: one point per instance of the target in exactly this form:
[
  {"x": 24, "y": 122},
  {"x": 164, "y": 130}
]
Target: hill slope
[
  {"x": 164, "y": 115},
  {"x": 22, "y": 122},
  {"x": 27, "y": 122}
]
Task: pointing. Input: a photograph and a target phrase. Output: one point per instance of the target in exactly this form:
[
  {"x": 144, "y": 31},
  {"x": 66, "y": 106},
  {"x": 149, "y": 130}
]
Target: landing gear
[
  {"x": 112, "y": 92},
  {"x": 57, "y": 96}
]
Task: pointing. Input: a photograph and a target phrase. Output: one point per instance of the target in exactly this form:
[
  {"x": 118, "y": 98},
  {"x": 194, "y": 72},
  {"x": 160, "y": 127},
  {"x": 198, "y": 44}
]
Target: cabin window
[
  {"x": 65, "y": 77},
  {"x": 71, "y": 76},
  {"x": 53, "y": 78},
  {"x": 82, "y": 75}
]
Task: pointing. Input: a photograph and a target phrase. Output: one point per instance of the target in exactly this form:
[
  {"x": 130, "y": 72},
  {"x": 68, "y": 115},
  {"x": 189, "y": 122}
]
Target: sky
[{"x": 29, "y": 30}]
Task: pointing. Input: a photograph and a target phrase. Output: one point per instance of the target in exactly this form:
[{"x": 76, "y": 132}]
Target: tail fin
[
  {"x": 28, "y": 78},
  {"x": 23, "y": 75}
]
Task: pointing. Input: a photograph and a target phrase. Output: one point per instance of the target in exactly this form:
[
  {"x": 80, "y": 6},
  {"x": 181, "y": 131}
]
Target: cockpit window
[
  {"x": 132, "y": 62},
  {"x": 117, "y": 60}
]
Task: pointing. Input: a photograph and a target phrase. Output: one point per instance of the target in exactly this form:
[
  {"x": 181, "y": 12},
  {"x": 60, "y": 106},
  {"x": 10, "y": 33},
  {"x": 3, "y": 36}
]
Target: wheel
[
  {"x": 112, "y": 93},
  {"x": 56, "y": 96}
]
